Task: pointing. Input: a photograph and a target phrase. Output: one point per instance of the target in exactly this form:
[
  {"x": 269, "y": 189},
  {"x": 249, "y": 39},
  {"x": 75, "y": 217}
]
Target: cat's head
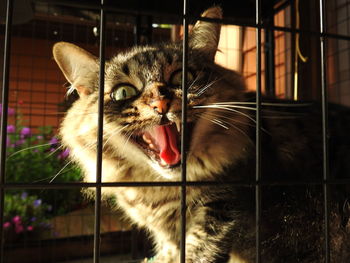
[{"x": 142, "y": 104}]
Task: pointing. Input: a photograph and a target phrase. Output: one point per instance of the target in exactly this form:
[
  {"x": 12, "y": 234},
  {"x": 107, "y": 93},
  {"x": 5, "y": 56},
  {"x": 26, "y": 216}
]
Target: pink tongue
[{"x": 166, "y": 137}]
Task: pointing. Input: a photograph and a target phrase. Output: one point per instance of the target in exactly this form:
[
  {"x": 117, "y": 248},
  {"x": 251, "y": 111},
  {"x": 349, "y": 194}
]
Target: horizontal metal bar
[
  {"x": 96, "y": 7},
  {"x": 174, "y": 184}
]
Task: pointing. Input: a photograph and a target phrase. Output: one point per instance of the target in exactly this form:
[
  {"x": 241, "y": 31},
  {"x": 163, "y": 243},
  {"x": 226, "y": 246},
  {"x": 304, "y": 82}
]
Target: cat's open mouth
[{"x": 162, "y": 144}]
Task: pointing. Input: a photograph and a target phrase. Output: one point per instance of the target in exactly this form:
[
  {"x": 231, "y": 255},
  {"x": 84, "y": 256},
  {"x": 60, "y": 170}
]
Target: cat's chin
[{"x": 172, "y": 173}]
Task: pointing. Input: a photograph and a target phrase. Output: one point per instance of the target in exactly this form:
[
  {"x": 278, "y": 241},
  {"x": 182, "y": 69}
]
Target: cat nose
[
  {"x": 160, "y": 105},
  {"x": 160, "y": 97}
]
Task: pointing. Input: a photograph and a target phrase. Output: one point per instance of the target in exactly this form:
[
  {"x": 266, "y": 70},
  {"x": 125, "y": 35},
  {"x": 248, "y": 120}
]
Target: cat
[{"x": 141, "y": 143}]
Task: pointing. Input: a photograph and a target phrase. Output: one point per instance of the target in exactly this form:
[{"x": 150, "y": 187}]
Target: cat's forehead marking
[
  {"x": 143, "y": 65},
  {"x": 125, "y": 69}
]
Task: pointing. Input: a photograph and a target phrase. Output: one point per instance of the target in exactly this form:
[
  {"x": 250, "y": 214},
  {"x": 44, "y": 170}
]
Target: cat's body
[{"x": 141, "y": 144}]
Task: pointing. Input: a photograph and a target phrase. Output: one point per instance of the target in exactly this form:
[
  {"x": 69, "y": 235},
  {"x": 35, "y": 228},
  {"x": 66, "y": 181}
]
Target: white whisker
[
  {"x": 214, "y": 114},
  {"x": 193, "y": 82},
  {"x": 54, "y": 151},
  {"x": 276, "y": 104},
  {"x": 214, "y": 121},
  {"x": 206, "y": 87},
  {"x": 30, "y": 148},
  {"x": 234, "y": 120},
  {"x": 229, "y": 124},
  {"x": 112, "y": 133},
  {"x": 254, "y": 109},
  {"x": 44, "y": 179},
  {"x": 233, "y": 106},
  {"x": 225, "y": 108},
  {"x": 220, "y": 123},
  {"x": 59, "y": 172},
  {"x": 126, "y": 141},
  {"x": 79, "y": 114},
  {"x": 90, "y": 145}
]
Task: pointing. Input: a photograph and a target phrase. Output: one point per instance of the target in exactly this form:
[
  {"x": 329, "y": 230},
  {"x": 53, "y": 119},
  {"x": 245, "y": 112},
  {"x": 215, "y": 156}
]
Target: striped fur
[{"x": 220, "y": 219}]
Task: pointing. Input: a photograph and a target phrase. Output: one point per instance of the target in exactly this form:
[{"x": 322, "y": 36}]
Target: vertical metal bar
[
  {"x": 5, "y": 91},
  {"x": 184, "y": 133},
  {"x": 258, "y": 132},
  {"x": 97, "y": 229},
  {"x": 324, "y": 130}
]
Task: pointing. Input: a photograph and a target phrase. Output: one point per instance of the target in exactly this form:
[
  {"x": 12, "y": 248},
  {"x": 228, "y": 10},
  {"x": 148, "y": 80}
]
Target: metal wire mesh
[{"x": 259, "y": 182}]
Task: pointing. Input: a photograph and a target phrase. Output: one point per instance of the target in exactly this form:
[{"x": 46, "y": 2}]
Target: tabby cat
[{"x": 141, "y": 143}]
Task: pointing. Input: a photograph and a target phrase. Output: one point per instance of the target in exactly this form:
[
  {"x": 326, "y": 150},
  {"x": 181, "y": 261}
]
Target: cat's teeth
[
  {"x": 162, "y": 162},
  {"x": 178, "y": 125},
  {"x": 151, "y": 145},
  {"x": 146, "y": 139}
]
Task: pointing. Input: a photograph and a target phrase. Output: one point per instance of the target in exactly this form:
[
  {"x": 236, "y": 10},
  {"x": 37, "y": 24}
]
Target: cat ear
[
  {"x": 78, "y": 66},
  {"x": 205, "y": 35}
]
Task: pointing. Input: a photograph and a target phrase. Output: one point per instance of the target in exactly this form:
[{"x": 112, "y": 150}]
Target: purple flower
[
  {"x": 37, "y": 203},
  {"x": 30, "y": 228},
  {"x": 53, "y": 140},
  {"x": 20, "y": 142},
  {"x": 24, "y": 195},
  {"x": 25, "y": 132},
  {"x": 33, "y": 219},
  {"x": 11, "y": 129},
  {"x": 11, "y": 111},
  {"x": 40, "y": 137},
  {"x": 6, "y": 224},
  {"x": 64, "y": 154}
]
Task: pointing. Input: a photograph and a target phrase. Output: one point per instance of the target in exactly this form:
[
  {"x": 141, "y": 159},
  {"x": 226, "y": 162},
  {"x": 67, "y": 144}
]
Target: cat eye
[
  {"x": 123, "y": 92},
  {"x": 176, "y": 78}
]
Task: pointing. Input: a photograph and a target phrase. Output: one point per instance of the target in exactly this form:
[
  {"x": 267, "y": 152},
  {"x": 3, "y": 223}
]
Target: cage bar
[
  {"x": 325, "y": 181},
  {"x": 5, "y": 92},
  {"x": 258, "y": 134},
  {"x": 325, "y": 153},
  {"x": 97, "y": 227},
  {"x": 184, "y": 133},
  {"x": 247, "y": 183}
]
